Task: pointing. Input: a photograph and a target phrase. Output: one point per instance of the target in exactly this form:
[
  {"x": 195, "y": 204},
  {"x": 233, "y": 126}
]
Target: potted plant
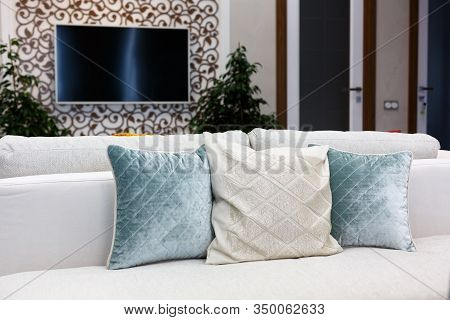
[
  {"x": 232, "y": 102},
  {"x": 20, "y": 113}
]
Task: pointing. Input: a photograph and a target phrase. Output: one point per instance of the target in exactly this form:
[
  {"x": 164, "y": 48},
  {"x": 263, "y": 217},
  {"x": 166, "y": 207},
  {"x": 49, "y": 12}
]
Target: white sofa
[{"x": 56, "y": 232}]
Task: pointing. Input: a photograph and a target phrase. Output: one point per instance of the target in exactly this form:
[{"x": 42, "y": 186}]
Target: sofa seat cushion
[{"x": 357, "y": 273}]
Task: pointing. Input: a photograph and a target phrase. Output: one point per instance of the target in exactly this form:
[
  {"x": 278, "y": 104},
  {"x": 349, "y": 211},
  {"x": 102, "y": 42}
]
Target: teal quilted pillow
[
  {"x": 164, "y": 204},
  {"x": 370, "y": 199}
]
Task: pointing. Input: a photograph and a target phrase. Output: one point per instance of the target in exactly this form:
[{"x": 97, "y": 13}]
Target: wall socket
[{"x": 391, "y": 105}]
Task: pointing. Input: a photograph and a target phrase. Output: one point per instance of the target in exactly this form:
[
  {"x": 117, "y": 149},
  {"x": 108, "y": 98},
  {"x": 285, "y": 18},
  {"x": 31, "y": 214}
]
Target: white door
[
  {"x": 354, "y": 71},
  {"x": 356, "y": 64}
]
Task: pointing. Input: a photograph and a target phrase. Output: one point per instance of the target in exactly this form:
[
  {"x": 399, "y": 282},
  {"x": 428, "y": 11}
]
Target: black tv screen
[{"x": 98, "y": 64}]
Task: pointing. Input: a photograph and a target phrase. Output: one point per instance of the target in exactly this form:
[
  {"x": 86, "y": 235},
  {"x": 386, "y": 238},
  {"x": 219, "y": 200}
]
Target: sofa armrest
[
  {"x": 55, "y": 221},
  {"x": 429, "y": 197}
]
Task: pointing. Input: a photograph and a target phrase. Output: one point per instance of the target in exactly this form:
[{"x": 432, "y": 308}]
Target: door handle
[
  {"x": 357, "y": 89},
  {"x": 426, "y": 88}
]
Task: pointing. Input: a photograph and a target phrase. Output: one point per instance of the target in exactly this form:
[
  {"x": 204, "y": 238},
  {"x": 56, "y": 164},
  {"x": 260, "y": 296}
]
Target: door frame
[
  {"x": 420, "y": 96},
  {"x": 413, "y": 64},
  {"x": 288, "y": 52},
  {"x": 281, "y": 63},
  {"x": 369, "y": 64}
]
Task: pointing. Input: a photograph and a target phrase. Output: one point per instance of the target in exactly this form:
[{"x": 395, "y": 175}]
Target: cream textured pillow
[{"x": 269, "y": 204}]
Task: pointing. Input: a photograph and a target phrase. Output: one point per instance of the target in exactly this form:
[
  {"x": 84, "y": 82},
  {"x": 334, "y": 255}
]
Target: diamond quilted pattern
[
  {"x": 370, "y": 199},
  {"x": 272, "y": 210},
  {"x": 164, "y": 204},
  {"x": 267, "y": 215}
]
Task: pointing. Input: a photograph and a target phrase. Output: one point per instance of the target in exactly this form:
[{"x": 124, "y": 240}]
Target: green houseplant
[
  {"x": 231, "y": 103},
  {"x": 20, "y": 113}
]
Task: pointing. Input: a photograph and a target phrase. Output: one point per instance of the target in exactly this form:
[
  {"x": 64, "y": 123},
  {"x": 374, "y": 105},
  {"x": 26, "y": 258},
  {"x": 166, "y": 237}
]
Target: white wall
[
  {"x": 1, "y": 29},
  {"x": 249, "y": 22},
  {"x": 7, "y": 19},
  {"x": 80, "y": 120},
  {"x": 253, "y": 24},
  {"x": 392, "y": 63}
]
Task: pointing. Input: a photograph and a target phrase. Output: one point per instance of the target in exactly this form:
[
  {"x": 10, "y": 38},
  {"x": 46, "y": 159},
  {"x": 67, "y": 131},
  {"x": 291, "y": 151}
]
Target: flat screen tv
[{"x": 100, "y": 64}]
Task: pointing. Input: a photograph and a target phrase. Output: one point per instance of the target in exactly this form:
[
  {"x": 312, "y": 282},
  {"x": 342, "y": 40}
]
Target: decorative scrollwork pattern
[{"x": 36, "y": 20}]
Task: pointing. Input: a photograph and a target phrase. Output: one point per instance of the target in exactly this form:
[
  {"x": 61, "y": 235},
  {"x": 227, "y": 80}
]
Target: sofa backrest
[
  {"x": 21, "y": 156},
  {"x": 422, "y": 146}
]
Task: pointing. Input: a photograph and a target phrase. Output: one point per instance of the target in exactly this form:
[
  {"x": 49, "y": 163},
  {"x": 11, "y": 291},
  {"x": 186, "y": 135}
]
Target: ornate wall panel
[{"x": 36, "y": 19}]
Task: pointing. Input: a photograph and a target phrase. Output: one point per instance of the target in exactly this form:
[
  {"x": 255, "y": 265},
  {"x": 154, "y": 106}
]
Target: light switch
[{"x": 391, "y": 105}]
